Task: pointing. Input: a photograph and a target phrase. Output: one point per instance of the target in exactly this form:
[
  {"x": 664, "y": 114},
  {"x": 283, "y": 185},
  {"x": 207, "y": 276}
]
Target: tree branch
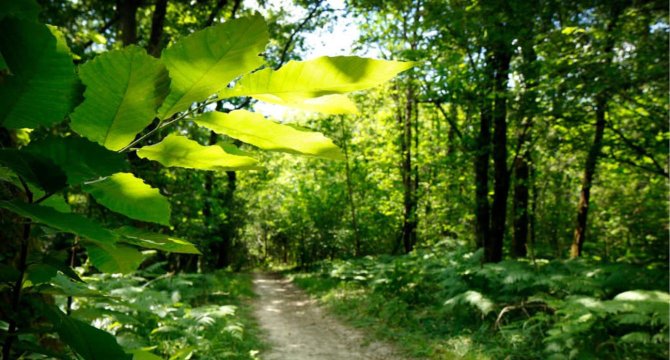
[
  {"x": 291, "y": 38},
  {"x": 451, "y": 121},
  {"x": 640, "y": 151},
  {"x": 215, "y": 12}
]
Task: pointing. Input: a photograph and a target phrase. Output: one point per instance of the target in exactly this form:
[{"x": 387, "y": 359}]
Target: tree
[{"x": 125, "y": 90}]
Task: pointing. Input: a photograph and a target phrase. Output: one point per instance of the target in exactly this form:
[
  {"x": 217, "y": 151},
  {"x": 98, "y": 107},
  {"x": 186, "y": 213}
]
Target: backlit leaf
[
  {"x": 204, "y": 62},
  {"x": 57, "y": 202},
  {"x": 124, "y": 88},
  {"x": 111, "y": 258},
  {"x": 298, "y": 81},
  {"x": 41, "y": 87},
  {"x": 130, "y": 196},
  {"x": 254, "y": 129},
  {"x": 157, "y": 241},
  {"x": 179, "y": 151}
]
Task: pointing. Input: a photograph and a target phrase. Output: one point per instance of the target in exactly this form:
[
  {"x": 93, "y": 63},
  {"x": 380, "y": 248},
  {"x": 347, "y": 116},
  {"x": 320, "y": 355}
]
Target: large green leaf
[
  {"x": 89, "y": 342},
  {"x": 254, "y": 129},
  {"x": 130, "y": 196},
  {"x": 111, "y": 258},
  {"x": 34, "y": 169},
  {"x": 313, "y": 84},
  {"x": 80, "y": 159},
  {"x": 152, "y": 240},
  {"x": 41, "y": 88},
  {"x": 204, "y": 62},
  {"x": 70, "y": 223},
  {"x": 124, "y": 88},
  {"x": 179, "y": 151}
]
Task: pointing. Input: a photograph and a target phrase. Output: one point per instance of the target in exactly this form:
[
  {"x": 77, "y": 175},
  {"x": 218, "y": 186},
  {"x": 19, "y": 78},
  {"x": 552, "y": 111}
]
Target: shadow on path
[{"x": 298, "y": 329}]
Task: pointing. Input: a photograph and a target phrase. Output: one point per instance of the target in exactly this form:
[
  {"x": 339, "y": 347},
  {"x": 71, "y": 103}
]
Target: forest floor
[{"x": 297, "y": 328}]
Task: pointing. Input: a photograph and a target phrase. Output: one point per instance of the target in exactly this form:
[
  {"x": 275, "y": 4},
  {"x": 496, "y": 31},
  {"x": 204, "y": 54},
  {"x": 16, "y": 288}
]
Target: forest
[{"x": 334, "y": 179}]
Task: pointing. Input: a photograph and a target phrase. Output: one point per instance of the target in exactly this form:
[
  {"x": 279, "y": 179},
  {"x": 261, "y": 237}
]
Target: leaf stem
[
  {"x": 18, "y": 285},
  {"x": 163, "y": 125}
]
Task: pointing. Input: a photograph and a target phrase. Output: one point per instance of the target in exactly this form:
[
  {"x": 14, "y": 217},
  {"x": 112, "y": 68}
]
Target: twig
[{"x": 18, "y": 285}]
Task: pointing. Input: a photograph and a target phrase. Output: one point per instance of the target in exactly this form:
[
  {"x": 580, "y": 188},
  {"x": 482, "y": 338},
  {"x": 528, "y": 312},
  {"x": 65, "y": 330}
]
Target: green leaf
[
  {"x": 124, "y": 88},
  {"x": 41, "y": 88},
  {"x": 636, "y": 337},
  {"x": 70, "y": 223},
  {"x": 144, "y": 355},
  {"x": 89, "y": 342},
  {"x": 57, "y": 202},
  {"x": 328, "y": 104},
  {"x": 254, "y": 129},
  {"x": 22, "y": 9},
  {"x": 64, "y": 286},
  {"x": 40, "y": 273},
  {"x": 179, "y": 151},
  {"x": 230, "y": 148},
  {"x": 80, "y": 159},
  {"x": 130, "y": 196},
  {"x": 298, "y": 81},
  {"x": 34, "y": 169},
  {"x": 157, "y": 241},
  {"x": 112, "y": 258},
  {"x": 204, "y": 62},
  {"x": 184, "y": 353}
]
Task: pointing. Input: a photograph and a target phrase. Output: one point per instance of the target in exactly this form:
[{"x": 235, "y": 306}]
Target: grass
[
  {"x": 386, "y": 318},
  {"x": 444, "y": 305}
]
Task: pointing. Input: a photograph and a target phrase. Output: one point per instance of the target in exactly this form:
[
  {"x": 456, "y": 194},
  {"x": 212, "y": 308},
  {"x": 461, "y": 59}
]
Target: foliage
[
  {"x": 441, "y": 302},
  {"x": 129, "y": 95},
  {"x": 174, "y": 316}
]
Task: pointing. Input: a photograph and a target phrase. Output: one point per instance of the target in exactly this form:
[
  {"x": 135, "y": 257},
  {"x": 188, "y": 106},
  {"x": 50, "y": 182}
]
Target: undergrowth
[
  {"x": 443, "y": 304},
  {"x": 173, "y": 316}
]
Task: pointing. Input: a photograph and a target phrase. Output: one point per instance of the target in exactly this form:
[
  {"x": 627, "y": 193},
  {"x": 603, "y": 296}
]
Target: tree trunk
[
  {"x": 597, "y": 145},
  {"x": 350, "y": 192},
  {"x": 409, "y": 196},
  {"x": 227, "y": 231},
  {"x": 523, "y": 161},
  {"x": 521, "y": 197},
  {"x": 157, "y": 21},
  {"x": 127, "y": 10},
  {"x": 494, "y": 248},
  {"x": 587, "y": 180},
  {"x": 483, "y": 150}
]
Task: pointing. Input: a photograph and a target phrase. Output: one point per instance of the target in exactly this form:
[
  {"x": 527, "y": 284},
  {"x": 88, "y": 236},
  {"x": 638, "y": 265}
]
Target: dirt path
[{"x": 298, "y": 329}]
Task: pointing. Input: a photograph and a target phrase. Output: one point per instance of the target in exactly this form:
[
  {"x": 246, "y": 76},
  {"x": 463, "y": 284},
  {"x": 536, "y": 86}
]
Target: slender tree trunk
[
  {"x": 483, "y": 150},
  {"x": 409, "y": 196},
  {"x": 350, "y": 191},
  {"x": 127, "y": 10},
  {"x": 521, "y": 197},
  {"x": 494, "y": 248},
  {"x": 597, "y": 145},
  {"x": 587, "y": 180},
  {"x": 523, "y": 161},
  {"x": 227, "y": 231},
  {"x": 157, "y": 21}
]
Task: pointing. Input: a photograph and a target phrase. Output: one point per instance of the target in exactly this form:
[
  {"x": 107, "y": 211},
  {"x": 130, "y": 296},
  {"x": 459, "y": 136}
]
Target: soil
[{"x": 297, "y": 328}]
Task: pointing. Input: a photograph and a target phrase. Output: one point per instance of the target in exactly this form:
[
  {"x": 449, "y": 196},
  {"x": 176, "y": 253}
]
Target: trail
[{"x": 298, "y": 329}]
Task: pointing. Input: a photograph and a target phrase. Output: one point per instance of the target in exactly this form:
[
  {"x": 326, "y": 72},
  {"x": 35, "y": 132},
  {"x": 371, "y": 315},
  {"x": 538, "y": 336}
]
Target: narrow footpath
[{"x": 298, "y": 329}]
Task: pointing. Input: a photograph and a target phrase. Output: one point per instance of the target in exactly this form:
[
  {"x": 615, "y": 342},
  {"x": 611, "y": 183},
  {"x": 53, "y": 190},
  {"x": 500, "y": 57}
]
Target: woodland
[{"x": 464, "y": 180}]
